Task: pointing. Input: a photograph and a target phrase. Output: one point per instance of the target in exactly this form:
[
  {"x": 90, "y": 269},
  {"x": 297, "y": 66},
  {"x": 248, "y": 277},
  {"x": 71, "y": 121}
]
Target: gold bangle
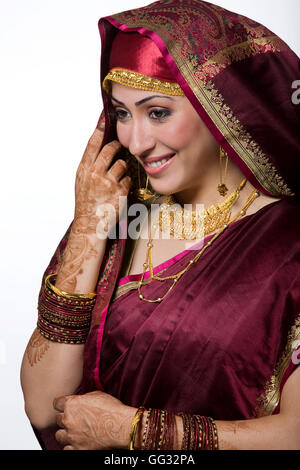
[
  {"x": 134, "y": 425},
  {"x": 62, "y": 293}
]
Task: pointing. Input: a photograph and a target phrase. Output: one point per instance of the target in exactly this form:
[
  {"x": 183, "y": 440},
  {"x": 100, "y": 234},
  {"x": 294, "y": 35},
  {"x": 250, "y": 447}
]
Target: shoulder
[
  {"x": 270, "y": 238},
  {"x": 284, "y": 213}
]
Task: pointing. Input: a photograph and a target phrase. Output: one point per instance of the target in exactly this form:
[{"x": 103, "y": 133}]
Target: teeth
[{"x": 155, "y": 164}]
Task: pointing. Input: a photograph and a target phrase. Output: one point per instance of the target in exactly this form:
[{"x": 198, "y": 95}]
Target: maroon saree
[
  {"x": 221, "y": 343},
  {"x": 224, "y": 342}
]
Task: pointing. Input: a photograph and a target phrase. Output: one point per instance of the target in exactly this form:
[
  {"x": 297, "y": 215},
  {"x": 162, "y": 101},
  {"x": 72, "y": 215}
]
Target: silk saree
[{"x": 226, "y": 339}]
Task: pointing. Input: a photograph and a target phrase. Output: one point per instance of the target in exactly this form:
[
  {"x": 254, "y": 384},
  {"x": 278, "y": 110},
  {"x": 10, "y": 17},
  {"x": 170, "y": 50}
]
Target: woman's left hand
[{"x": 93, "y": 421}]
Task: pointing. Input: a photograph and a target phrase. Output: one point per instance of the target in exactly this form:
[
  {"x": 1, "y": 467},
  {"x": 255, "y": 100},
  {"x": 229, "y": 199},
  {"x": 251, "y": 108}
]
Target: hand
[
  {"x": 93, "y": 421},
  {"x": 97, "y": 186}
]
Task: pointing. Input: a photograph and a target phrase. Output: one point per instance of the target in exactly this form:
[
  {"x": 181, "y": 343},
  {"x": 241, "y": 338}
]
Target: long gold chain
[{"x": 148, "y": 263}]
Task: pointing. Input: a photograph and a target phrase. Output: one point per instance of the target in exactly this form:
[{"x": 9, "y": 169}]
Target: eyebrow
[{"x": 138, "y": 103}]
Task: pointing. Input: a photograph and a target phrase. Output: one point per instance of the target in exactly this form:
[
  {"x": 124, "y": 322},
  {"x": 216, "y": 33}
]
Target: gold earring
[
  {"x": 143, "y": 193},
  {"x": 222, "y": 188}
]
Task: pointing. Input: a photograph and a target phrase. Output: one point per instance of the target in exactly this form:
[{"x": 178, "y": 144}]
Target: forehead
[{"x": 132, "y": 95}]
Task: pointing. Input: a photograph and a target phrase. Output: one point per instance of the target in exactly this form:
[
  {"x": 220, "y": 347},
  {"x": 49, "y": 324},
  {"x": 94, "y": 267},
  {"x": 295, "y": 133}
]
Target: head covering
[
  {"x": 135, "y": 61},
  {"x": 237, "y": 74}
]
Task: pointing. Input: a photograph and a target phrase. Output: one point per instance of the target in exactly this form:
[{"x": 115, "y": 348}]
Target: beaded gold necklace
[
  {"x": 148, "y": 263},
  {"x": 184, "y": 224}
]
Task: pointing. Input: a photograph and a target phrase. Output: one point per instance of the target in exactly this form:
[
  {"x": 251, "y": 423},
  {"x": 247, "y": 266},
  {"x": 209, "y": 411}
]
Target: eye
[
  {"x": 120, "y": 114},
  {"x": 159, "y": 114}
]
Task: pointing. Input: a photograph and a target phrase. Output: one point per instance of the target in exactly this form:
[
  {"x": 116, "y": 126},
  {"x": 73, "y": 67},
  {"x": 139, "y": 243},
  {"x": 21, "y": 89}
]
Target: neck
[{"x": 206, "y": 192}]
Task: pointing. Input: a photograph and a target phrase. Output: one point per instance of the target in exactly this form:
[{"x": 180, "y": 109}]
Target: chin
[
  {"x": 164, "y": 189},
  {"x": 164, "y": 186}
]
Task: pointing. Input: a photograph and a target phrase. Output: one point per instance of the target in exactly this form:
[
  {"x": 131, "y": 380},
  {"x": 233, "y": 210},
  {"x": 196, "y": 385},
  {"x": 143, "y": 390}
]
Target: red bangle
[{"x": 64, "y": 318}]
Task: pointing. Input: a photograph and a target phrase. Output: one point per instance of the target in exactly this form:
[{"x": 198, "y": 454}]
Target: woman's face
[{"x": 168, "y": 138}]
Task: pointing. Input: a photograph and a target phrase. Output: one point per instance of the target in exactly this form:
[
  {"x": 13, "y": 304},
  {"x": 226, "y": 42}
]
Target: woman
[{"x": 205, "y": 339}]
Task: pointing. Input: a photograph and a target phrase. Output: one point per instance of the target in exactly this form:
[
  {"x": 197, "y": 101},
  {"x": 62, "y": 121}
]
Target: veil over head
[{"x": 237, "y": 74}]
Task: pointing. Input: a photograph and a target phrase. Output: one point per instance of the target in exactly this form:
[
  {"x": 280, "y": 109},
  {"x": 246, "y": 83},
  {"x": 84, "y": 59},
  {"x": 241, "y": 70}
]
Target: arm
[
  {"x": 51, "y": 369},
  {"x": 98, "y": 421},
  {"x": 276, "y": 432}
]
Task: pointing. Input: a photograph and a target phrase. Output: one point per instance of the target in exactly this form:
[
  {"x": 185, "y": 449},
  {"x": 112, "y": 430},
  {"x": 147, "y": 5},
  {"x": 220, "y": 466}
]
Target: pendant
[{"x": 223, "y": 190}]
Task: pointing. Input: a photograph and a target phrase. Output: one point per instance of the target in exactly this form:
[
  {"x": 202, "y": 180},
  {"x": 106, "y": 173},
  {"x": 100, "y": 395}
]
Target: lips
[
  {"x": 157, "y": 159},
  {"x": 154, "y": 170}
]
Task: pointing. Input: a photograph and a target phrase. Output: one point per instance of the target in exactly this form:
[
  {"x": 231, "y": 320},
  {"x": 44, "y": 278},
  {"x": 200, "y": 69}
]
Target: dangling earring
[
  {"x": 143, "y": 193},
  {"x": 222, "y": 188}
]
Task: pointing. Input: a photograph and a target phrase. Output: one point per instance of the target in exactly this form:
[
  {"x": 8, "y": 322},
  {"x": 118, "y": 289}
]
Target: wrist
[
  {"x": 82, "y": 228},
  {"x": 127, "y": 418},
  {"x": 155, "y": 430}
]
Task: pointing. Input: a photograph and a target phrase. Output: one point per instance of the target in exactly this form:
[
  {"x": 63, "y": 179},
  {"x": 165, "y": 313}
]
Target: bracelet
[
  {"x": 159, "y": 430},
  {"x": 63, "y": 293},
  {"x": 64, "y": 317},
  {"x": 199, "y": 433},
  {"x": 134, "y": 426}
]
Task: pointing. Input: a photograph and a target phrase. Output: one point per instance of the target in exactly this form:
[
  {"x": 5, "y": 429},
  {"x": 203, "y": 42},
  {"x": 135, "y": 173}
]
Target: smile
[
  {"x": 158, "y": 165},
  {"x": 155, "y": 164}
]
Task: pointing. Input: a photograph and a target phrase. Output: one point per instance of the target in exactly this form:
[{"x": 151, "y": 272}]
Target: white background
[{"x": 49, "y": 106}]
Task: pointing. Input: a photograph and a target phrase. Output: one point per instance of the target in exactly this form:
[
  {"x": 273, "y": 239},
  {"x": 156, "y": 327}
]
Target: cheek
[
  {"x": 192, "y": 134},
  {"x": 184, "y": 133}
]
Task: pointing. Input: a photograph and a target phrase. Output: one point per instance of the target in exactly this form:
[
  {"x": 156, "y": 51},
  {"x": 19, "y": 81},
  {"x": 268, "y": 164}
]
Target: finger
[
  {"x": 60, "y": 403},
  {"x": 101, "y": 122},
  {"x": 118, "y": 169},
  {"x": 62, "y": 437},
  {"x": 68, "y": 448},
  {"x": 60, "y": 420},
  {"x": 126, "y": 183},
  {"x": 107, "y": 154},
  {"x": 93, "y": 147}
]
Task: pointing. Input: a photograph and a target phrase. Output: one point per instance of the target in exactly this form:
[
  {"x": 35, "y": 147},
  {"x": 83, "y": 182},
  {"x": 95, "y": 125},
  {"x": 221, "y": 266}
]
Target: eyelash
[{"x": 165, "y": 113}]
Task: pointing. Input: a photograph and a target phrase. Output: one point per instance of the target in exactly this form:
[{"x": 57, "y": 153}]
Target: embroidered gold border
[
  {"x": 234, "y": 132},
  {"x": 141, "y": 82},
  {"x": 132, "y": 285},
  {"x": 238, "y": 52},
  {"x": 213, "y": 102},
  {"x": 269, "y": 399},
  {"x": 244, "y": 144}
]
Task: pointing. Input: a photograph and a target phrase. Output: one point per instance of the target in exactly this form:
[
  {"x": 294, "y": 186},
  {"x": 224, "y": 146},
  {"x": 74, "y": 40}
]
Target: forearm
[
  {"x": 79, "y": 271},
  {"x": 51, "y": 369},
  {"x": 48, "y": 370},
  {"x": 97, "y": 420},
  {"x": 276, "y": 432}
]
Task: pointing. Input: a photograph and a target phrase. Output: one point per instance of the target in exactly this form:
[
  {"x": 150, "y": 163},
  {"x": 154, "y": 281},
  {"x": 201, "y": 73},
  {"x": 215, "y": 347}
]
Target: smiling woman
[
  {"x": 156, "y": 131},
  {"x": 163, "y": 342}
]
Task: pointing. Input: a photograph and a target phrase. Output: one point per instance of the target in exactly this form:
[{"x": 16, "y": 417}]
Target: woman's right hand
[{"x": 97, "y": 185}]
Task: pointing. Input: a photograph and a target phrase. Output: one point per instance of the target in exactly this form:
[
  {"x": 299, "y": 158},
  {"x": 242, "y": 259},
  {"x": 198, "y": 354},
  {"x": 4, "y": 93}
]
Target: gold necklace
[
  {"x": 148, "y": 263},
  {"x": 183, "y": 224}
]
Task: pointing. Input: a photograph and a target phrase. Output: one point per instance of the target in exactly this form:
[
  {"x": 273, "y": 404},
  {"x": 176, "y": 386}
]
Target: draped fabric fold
[{"x": 220, "y": 337}]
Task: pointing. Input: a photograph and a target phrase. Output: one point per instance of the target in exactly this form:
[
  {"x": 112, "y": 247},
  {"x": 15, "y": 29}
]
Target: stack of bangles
[
  {"x": 64, "y": 317},
  {"x": 199, "y": 432}
]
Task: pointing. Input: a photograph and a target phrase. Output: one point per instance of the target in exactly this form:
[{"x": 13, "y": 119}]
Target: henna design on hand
[
  {"x": 36, "y": 348},
  {"x": 96, "y": 186},
  {"x": 93, "y": 421}
]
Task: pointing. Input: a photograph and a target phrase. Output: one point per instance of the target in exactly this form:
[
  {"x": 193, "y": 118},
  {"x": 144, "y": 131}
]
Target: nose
[{"x": 142, "y": 139}]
